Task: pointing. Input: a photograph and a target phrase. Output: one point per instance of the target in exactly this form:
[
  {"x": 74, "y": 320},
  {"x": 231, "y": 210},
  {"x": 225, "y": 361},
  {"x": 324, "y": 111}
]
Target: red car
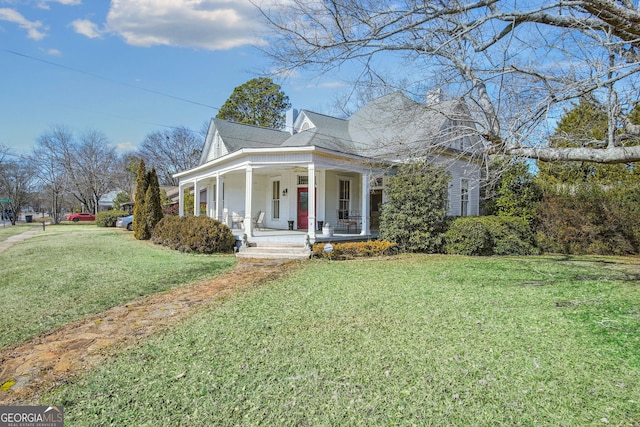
[{"x": 82, "y": 216}]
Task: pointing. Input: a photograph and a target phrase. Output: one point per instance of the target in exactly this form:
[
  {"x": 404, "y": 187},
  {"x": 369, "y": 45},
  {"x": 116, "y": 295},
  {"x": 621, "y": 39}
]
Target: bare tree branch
[{"x": 518, "y": 64}]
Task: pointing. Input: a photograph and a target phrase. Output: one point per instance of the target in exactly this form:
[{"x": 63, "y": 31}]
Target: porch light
[{"x": 284, "y": 192}]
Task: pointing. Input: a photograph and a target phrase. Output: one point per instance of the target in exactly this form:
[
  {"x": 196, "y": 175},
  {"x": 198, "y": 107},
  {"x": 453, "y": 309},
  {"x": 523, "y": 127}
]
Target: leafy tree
[
  {"x": 588, "y": 207},
  {"x": 581, "y": 126},
  {"x": 258, "y": 102},
  {"x": 518, "y": 194},
  {"x": 414, "y": 215},
  {"x": 120, "y": 199}
]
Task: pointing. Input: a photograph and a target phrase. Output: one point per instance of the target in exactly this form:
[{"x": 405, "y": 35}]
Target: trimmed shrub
[
  {"x": 490, "y": 235},
  {"x": 468, "y": 236},
  {"x": 355, "y": 249},
  {"x": 194, "y": 234},
  {"x": 109, "y": 218}
]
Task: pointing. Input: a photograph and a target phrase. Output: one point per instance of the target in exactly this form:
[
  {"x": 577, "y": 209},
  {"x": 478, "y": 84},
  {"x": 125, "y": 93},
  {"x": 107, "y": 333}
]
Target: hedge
[
  {"x": 490, "y": 235},
  {"x": 109, "y": 218},
  {"x": 194, "y": 234},
  {"x": 355, "y": 249}
]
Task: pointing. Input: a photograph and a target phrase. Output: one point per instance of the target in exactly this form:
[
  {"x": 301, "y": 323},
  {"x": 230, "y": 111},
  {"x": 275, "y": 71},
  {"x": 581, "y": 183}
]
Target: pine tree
[
  {"x": 581, "y": 127},
  {"x": 258, "y": 102},
  {"x": 153, "y": 203},
  {"x": 139, "y": 215}
]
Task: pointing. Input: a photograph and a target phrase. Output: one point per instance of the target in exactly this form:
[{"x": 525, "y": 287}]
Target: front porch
[
  {"x": 288, "y": 195},
  {"x": 287, "y": 244},
  {"x": 300, "y": 236}
]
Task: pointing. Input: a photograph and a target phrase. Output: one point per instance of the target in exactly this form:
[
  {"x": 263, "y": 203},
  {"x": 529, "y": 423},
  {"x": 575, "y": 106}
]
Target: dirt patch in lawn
[{"x": 29, "y": 369}]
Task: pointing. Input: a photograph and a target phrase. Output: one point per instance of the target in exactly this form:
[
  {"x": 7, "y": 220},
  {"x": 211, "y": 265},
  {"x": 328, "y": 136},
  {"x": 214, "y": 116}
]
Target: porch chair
[
  {"x": 237, "y": 219},
  {"x": 258, "y": 221},
  {"x": 344, "y": 220}
]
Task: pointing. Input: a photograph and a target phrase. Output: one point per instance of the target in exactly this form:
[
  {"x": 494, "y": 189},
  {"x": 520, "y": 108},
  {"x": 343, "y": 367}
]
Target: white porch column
[
  {"x": 219, "y": 206},
  {"x": 248, "y": 226},
  {"x": 181, "y": 199},
  {"x": 311, "y": 229},
  {"x": 211, "y": 212},
  {"x": 196, "y": 198},
  {"x": 366, "y": 195}
]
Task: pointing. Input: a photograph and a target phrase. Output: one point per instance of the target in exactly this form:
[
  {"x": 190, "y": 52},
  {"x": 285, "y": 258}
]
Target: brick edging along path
[{"x": 29, "y": 369}]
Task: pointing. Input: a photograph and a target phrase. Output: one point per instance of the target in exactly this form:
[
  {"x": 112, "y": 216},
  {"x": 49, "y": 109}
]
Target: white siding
[{"x": 459, "y": 170}]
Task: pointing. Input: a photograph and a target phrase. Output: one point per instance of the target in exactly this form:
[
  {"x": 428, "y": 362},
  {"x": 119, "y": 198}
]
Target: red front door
[{"x": 303, "y": 208}]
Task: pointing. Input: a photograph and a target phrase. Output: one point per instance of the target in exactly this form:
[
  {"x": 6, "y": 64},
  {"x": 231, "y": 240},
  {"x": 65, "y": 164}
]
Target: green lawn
[
  {"x": 69, "y": 271},
  {"x": 416, "y": 340},
  {"x": 7, "y": 230}
]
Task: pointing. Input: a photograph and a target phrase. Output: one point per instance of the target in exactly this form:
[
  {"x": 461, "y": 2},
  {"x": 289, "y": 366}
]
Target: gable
[{"x": 225, "y": 137}]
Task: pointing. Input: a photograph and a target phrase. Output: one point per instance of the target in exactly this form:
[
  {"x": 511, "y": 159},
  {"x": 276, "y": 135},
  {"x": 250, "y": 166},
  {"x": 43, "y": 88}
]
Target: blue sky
[{"x": 130, "y": 67}]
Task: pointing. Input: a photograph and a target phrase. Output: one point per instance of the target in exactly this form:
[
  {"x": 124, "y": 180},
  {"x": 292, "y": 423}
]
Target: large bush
[
  {"x": 414, "y": 215},
  {"x": 109, "y": 218},
  {"x": 590, "y": 219},
  {"x": 490, "y": 235},
  {"x": 194, "y": 234},
  {"x": 468, "y": 236}
]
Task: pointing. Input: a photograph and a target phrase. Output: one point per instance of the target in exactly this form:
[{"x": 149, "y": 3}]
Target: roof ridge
[{"x": 232, "y": 122}]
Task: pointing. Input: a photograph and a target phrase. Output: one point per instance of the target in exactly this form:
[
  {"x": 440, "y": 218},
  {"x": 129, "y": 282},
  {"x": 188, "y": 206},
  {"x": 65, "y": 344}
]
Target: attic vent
[{"x": 305, "y": 126}]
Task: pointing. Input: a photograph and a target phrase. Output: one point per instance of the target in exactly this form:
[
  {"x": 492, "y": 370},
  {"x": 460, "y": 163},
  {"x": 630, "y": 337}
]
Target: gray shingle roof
[
  {"x": 392, "y": 125},
  {"x": 237, "y": 136}
]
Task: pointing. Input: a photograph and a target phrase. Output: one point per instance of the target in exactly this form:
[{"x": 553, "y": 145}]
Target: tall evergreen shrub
[
  {"x": 140, "y": 230},
  {"x": 414, "y": 215}
]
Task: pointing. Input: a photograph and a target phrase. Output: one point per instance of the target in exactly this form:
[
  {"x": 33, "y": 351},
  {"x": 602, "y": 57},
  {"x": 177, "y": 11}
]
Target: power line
[{"x": 97, "y": 76}]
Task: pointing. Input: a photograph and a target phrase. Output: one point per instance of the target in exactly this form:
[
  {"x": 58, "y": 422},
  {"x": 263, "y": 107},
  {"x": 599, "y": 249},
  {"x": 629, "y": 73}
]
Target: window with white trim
[
  {"x": 464, "y": 197},
  {"x": 344, "y": 198}
]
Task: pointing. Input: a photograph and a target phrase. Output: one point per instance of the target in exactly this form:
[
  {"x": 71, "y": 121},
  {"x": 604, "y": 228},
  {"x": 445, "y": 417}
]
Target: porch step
[{"x": 273, "y": 250}]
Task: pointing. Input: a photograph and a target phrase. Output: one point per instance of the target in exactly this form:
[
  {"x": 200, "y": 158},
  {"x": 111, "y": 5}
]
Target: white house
[{"x": 327, "y": 170}]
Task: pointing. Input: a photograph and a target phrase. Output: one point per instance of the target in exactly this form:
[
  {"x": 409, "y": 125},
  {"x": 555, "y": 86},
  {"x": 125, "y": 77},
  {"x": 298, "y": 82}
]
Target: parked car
[
  {"x": 82, "y": 216},
  {"x": 7, "y": 214},
  {"x": 125, "y": 222}
]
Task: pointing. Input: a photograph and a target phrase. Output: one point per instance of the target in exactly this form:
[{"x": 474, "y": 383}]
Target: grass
[
  {"x": 418, "y": 340},
  {"x": 70, "y": 271},
  {"x": 7, "y": 230}
]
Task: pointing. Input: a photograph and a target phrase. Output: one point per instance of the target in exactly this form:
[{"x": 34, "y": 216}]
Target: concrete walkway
[{"x": 11, "y": 240}]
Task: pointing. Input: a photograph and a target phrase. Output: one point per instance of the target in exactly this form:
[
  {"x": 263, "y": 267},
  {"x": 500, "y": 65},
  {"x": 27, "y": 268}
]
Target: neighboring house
[
  {"x": 326, "y": 170},
  {"x": 106, "y": 201}
]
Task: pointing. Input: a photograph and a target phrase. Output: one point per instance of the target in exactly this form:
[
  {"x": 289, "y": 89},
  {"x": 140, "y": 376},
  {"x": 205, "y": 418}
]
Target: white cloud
[
  {"x": 35, "y": 29},
  {"x": 125, "y": 146},
  {"x": 54, "y": 52},
  {"x": 86, "y": 28},
  {"x": 44, "y": 4},
  {"x": 208, "y": 24}
]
